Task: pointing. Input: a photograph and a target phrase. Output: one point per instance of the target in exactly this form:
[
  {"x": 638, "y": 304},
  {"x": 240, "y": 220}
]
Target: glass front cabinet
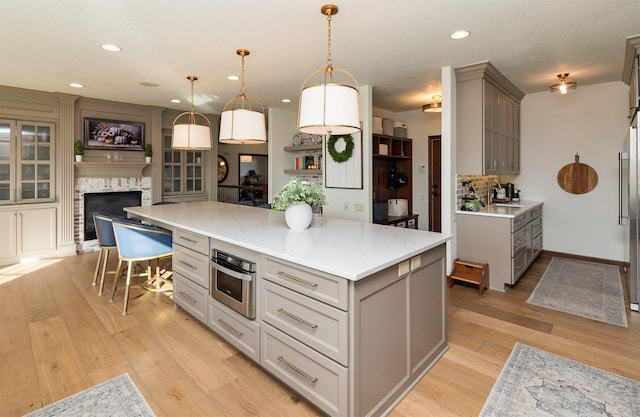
[{"x": 182, "y": 171}]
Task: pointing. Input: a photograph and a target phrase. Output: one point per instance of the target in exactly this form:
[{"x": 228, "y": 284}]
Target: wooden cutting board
[{"x": 577, "y": 178}]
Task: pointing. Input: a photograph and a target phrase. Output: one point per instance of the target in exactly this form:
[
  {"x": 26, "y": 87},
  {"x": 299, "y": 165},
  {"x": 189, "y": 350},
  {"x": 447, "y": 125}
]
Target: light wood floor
[{"x": 57, "y": 338}]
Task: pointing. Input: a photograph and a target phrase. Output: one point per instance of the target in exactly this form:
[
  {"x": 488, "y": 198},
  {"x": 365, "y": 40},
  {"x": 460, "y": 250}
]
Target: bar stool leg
[
  {"x": 115, "y": 281},
  {"x": 97, "y": 271},
  {"x": 126, "y": 288}
]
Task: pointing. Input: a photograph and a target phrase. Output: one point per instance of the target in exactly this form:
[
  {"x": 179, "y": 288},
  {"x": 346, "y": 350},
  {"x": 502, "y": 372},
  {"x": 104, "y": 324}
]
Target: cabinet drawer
[
  {"x": 319, "y": 379},
  {"x": 192, "y": 265},
  {"x": 521, "y": 220},
  {"x": 316, "y": 324},
  {"x": 536, "y": 247},
  {"x": 192, "y": 241},
  {"x": 519, "y": 242},
  {"x": 191, "y": 297},
  {"x": 239, "y": 331},
  {"x": 536, "y": 226},
  {"x": 318, "y": 285},
  {"x": 536, "y": 212},
  {"x": 518, "y": 265}
]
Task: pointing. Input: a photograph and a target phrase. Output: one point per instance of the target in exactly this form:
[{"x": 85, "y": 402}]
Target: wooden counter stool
[{"x": 473, "y": 272}]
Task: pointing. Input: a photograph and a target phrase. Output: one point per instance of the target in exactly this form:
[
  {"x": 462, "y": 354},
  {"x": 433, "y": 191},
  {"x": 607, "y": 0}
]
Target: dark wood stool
[{"x": 473, "y": 272}]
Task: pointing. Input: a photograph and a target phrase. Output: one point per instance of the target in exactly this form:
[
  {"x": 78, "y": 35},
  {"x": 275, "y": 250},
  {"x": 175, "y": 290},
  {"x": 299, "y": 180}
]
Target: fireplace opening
[{"x": 108, "y": 203}]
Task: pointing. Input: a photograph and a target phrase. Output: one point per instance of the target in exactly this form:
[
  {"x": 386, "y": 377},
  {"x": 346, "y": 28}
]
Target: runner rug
[
  {"x": 586, "y": 289},
  {"x": 116, "y": 397},
  {"x": 535, "y": 383}
]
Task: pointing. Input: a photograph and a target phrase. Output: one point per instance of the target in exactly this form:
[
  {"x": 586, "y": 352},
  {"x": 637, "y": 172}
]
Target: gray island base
[{"x": 350, "y": 315}]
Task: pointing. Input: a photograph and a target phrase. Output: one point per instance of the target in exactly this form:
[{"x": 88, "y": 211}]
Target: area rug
[
  {"x": 586, "y": 289},
  {"x": 117, "y": 397},
  {"x": 535, "y": 383}
]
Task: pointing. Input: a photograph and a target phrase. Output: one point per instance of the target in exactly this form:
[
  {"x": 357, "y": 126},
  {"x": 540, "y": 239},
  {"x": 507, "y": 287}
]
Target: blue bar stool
[
  {"x": 138, "y": 242},
  {"x": 106, "y": 243}
]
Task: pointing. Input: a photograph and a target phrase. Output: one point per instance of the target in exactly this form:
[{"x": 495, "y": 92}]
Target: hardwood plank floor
[{"x": 57, "y": 337}]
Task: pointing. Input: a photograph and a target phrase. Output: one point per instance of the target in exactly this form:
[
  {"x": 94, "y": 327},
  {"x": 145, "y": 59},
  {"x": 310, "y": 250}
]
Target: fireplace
[{"x": 108, "y": 203}]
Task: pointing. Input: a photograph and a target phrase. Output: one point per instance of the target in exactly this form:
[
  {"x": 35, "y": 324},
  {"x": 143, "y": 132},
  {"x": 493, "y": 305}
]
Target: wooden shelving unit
[{"x": 304, "y": 150}]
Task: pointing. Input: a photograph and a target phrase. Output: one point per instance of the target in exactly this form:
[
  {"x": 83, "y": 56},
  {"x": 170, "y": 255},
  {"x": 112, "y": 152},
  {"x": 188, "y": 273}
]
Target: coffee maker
[{"x": 510, "y": 190}]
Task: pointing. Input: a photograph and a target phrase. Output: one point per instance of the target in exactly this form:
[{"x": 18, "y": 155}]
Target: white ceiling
[{"x": 395, "y": 46}]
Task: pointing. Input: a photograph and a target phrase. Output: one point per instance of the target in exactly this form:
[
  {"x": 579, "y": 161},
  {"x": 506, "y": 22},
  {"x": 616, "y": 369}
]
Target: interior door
[{"x": 435, "y": 184}]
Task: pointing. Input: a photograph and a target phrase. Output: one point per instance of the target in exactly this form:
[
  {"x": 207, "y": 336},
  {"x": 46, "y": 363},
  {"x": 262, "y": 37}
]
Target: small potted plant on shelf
[
  {"x": 78, "y": 150},
  {"x": 302, "y": 202},
  {"x": 148, "y": 153}
]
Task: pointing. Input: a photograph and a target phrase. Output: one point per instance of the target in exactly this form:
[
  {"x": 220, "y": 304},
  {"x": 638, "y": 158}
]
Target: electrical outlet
[
  {"x": 415, "y": 262},
  {"x": 404, "y": 268},
  {"x": 423, "y": 168},
  {"x": 346, "y": 205},
  {"x": 359, "y": 207}
]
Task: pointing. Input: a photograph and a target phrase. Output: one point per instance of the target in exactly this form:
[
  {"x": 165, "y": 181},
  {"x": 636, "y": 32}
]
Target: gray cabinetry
[
  {"x": 332, "y": 340},
  {"x": 488, "y": 121},
  {"x": 191, "y": 272},
  {"x": 631, "y": 74},
  {"x": 509, "y": 244}
]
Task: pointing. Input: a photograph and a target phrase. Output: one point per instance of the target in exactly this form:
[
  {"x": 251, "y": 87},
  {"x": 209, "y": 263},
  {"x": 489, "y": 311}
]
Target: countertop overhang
[
  {"x": 502, "y": 211},
  {"x": 346, "y": 248}
]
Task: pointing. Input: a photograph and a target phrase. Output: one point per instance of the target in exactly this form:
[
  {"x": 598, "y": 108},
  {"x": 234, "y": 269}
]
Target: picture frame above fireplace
[{"x": 113, "y": 135}]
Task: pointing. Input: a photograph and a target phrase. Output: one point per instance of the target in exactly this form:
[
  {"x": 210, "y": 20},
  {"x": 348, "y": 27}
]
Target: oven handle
[{"x": 231, "y": 272}]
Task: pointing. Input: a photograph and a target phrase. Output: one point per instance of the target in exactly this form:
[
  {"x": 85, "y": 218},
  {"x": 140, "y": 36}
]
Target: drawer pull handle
[
  {"x": 300, "y": 280},
  {"x": 188, "y": 265},
  {"x": 229, "y": 327},
  {"x": 189, "y": 299},
  {"x": 296, "y": 369},
  {"x": 187, "y": 239},
  {"x": 296, "y": 318}
]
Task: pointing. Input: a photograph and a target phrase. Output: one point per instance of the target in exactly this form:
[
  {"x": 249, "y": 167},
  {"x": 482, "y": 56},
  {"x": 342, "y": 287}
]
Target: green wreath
[{"x": 348, "y": 149}]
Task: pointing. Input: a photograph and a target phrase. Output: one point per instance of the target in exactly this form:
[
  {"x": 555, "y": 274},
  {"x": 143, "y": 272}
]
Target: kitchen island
[
  {"x": 506, "y": 237},
  {"x": 351, "y": 315}
]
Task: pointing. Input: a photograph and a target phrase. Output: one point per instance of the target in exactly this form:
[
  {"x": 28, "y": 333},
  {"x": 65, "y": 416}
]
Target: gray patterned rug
[
  {"x": 535, "y": 383},
  {"x": 586, "y": 289},
  {"x": 117, "y": 397}
]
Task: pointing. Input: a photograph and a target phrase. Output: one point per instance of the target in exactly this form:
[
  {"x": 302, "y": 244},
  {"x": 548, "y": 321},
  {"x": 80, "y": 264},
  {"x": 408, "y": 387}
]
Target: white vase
[
  {"x": 147, "y": 159},
  {"x": 78, "y": 158},
  {"x": 298, "y": 216}
]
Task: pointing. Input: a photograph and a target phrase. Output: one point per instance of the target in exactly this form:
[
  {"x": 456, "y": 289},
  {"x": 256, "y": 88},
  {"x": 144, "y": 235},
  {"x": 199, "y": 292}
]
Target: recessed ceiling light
[
  {"x": 286, "y": 100},
  {"x": 233, "y": 78},
  {"x": 76, "y": 85},
  {"x": 459, "y": 34},
  {"x": 175, "y": 100},
  {"x": 111, "y": 48},
  {"x": 149, "y": 84}
]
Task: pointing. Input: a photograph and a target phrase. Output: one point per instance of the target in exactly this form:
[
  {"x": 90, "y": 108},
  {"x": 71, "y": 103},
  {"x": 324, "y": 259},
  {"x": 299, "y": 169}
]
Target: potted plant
[
  {"x": 300, "y": 199},
  {"x": 78, "y": 150},
  {"x": 148, "y": 153}
]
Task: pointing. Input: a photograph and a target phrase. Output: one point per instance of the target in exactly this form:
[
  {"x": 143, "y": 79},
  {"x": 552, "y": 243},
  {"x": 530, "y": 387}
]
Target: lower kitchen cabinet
[
  {"x": 508, "y": 244},
  {"x": 357, "y": 351},
  {"x": 27, "y": 232},
  {"x": 239, "y": 331},
  {"x": 191, "y": 272}
]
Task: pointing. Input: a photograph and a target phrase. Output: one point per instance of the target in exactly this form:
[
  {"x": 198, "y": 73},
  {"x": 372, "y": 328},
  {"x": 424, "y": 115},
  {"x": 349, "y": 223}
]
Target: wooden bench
[{"x": 473, "y": 272}]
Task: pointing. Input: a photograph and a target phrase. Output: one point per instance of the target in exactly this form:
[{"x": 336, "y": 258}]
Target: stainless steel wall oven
[{"x": 233, "y": 282}]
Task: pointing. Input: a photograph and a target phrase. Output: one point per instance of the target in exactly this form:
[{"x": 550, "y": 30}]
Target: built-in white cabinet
[
  {"x": 508, "y": 244},
  {"x": 27, "y": 232},
  {"x": 488, "y": 121}
]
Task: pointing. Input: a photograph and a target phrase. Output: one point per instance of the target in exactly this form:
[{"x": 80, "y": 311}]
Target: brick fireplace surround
[{"x": 84, "y": 185}]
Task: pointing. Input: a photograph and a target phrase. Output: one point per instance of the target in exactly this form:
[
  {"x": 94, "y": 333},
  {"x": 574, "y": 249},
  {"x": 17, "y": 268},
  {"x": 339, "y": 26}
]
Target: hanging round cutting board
[{"x": 577, "y": 178}]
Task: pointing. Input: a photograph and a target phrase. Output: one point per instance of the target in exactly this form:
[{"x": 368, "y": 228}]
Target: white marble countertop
[
  {"x": 349, "y": 249},
  {"x": 501, "y": 211}
]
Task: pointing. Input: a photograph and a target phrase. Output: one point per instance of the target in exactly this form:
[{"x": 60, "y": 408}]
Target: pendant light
[
  {"x": 329, "y": 107},
  {"x": 239, "y": 122},
  {"x": 190, "y": 135},
  {"x": 563, "y": 84}
]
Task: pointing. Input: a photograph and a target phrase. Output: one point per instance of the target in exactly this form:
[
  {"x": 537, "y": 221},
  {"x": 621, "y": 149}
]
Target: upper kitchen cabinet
[
  {"x": 631, "y": 73},
  {"x": 488, "y": 121}
]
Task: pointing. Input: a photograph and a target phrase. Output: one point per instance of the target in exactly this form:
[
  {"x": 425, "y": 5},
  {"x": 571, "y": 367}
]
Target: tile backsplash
[{"x": 481, "y": 183}]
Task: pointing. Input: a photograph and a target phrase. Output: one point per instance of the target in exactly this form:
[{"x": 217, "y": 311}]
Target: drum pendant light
[
  {"x": 239, "y": 122},
  {"x": 190, "y": 135},
  {"x": 329, "y": 107}
]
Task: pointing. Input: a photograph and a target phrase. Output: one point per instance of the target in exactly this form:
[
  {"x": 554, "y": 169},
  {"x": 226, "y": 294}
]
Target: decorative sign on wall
[{"x": 343, "y": 164}]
